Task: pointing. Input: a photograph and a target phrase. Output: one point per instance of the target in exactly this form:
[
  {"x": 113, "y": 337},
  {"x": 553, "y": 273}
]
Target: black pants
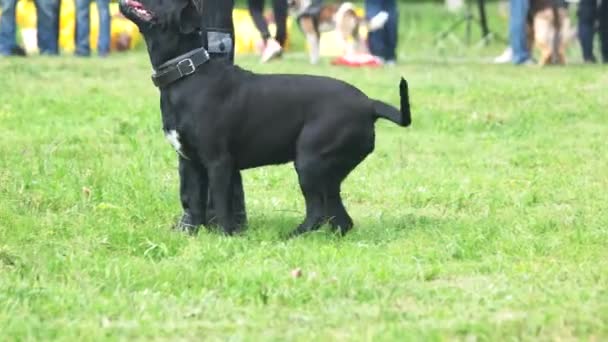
[
  {"x": 279, "y": 7},
  {"x": 217, "y": 18},
  {"x": 589, "y": 14}
]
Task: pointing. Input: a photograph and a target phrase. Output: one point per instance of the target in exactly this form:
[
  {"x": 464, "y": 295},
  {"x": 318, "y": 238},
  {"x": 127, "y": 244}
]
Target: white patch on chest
[{"x": 173, "y": 138}]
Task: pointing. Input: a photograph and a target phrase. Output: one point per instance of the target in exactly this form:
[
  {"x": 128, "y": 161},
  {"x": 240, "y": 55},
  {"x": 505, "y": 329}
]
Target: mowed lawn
[{"x": 485, "y": 220}]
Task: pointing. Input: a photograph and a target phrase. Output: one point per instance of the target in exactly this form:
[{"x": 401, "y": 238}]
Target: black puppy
[{"x": 221, "y": 118}]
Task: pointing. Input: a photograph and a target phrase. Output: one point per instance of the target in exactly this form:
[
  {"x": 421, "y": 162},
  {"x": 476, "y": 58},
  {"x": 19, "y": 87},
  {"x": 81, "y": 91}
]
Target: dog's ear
[{"x": 190, "y": 17}]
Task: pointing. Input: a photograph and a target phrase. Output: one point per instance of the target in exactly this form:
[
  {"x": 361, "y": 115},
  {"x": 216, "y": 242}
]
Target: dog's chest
[{"x": 174, "y": 139}]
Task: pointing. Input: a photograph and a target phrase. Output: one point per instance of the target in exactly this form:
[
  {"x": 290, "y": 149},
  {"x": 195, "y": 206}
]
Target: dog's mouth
[{"x": 137, "y": 9}]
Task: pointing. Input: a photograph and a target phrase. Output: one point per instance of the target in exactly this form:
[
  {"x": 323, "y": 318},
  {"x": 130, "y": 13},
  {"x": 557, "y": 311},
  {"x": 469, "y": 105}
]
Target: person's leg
[
  {"x": 603, "y": 17},
  {"x": 218, "y": 28},
  {"x": 47, "y": 12},
  {"x": 256, "y": 9},
  {"x": 376, "y": 38},
  {"x": 83, "y": 47},
  {"x": 103, "y": 42},
  {"x": 57, "y": 27},
  {"x": 280, "y": 9},
  {"x": 391, "y": 30},
  {"x": 586, "y": 27},
  {"x": 517, "y": 30},
  {"x": 8, "y": 27},
  {"x": 272, "y": 48}
]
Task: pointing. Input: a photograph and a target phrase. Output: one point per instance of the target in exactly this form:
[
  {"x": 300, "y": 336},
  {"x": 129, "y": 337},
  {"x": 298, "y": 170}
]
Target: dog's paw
[{"x": 185, "y": 225}]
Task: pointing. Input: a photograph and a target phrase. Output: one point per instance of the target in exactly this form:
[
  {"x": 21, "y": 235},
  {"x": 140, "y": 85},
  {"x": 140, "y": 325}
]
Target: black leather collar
[{"x": 179, "y": 67}]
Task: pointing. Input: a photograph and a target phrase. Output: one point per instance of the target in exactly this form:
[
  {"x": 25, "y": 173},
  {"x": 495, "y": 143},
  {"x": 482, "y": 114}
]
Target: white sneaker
[
  {"x": 505, "y": 57},
  {"x": 272, "y": 50},
  {"x": 378, "y": 21}
]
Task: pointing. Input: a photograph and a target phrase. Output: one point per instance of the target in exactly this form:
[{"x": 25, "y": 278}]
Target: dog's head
[
  {"x": 293, "y": 4},
  {"x": 170, "y": 27},
  {"x": 298, "y": 6}
]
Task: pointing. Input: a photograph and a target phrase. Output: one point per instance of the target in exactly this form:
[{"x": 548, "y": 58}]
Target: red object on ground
[{"x": 357, "y": 60}]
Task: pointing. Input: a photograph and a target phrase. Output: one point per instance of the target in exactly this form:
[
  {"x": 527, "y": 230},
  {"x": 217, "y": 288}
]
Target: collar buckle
[
  {"x": 186, "y": 67},
  {"x": 180, "y": 67}
]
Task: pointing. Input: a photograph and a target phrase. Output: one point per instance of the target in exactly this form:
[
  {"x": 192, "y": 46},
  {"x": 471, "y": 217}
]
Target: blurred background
[{"x": 421, "y": 24}]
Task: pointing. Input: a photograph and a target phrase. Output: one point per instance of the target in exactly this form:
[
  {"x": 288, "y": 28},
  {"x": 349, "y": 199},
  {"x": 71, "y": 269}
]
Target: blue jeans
[
  {"x": 588, "y": 15},
  {"x": 48, "y": 26},
  {"x": 517, "y": 30},
  {"x": 383, "y": 42},
  {"x": 7, "y": 27},
  {"x": 83, "y": 27}
]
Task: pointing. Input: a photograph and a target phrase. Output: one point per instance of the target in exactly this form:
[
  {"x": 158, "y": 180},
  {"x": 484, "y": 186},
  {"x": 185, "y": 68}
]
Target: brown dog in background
[
  {"x": 314, "y": 17},
  {"x": 549, "y": 30}
]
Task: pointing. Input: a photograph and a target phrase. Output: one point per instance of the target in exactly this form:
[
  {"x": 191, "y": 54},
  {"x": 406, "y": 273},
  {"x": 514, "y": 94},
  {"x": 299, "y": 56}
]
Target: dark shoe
[
  {"x": 590, "y": 60},
  {"x": 18, "y": 51},
  {"x": 527, "y": 62},
  {"x": 49, "y": 53},
  {"x": 82, "y": 54}
]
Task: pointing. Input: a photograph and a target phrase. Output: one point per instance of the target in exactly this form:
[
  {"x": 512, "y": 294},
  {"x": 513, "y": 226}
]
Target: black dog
[{"x": 221, "y": 118}]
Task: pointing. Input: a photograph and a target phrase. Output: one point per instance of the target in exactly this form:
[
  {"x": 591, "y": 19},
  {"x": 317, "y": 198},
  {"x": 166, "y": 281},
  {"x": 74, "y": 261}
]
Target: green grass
[{"x": 487, "y": 219}]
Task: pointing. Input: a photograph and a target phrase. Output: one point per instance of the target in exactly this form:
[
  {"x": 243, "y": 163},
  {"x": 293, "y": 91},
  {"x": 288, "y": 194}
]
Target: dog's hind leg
[
  {"x": 238, "y": 199},
  {"x": 193, "y": 194},
  {"x": 543, "y": 36},
  {"x": 336, "y": 213},
  {"x": 545, "y": 56},
  {"x": 310, "y": 184},
  {"x": 338, "y": 171},
  {"x": 564, "y": 36}
]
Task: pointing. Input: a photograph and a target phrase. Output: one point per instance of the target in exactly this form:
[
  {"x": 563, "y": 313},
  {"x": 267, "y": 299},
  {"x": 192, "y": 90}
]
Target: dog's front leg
[
  {"x": 312, "y": 37},
  {"x": 193, "y": 193},
  {"x": 313, "y": 41},
  {"x": 238, "y": 202},
  {"x": 221, "y": 181}
]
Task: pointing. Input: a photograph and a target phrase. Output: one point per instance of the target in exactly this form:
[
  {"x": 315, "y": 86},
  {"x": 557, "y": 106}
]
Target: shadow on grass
[{"x": 370, "y": 230}]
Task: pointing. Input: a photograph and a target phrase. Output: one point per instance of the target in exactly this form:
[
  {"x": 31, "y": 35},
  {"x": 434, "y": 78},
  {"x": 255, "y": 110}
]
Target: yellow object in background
[
  {"x": 248, "y": 38},
  {"x": 24, "y": 11},
  {"x": 26, "y": 20}
]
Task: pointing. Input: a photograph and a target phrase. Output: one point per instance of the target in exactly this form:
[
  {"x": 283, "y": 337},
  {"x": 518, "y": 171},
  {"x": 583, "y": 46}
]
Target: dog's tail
[{"x": 401, "y": 117}]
